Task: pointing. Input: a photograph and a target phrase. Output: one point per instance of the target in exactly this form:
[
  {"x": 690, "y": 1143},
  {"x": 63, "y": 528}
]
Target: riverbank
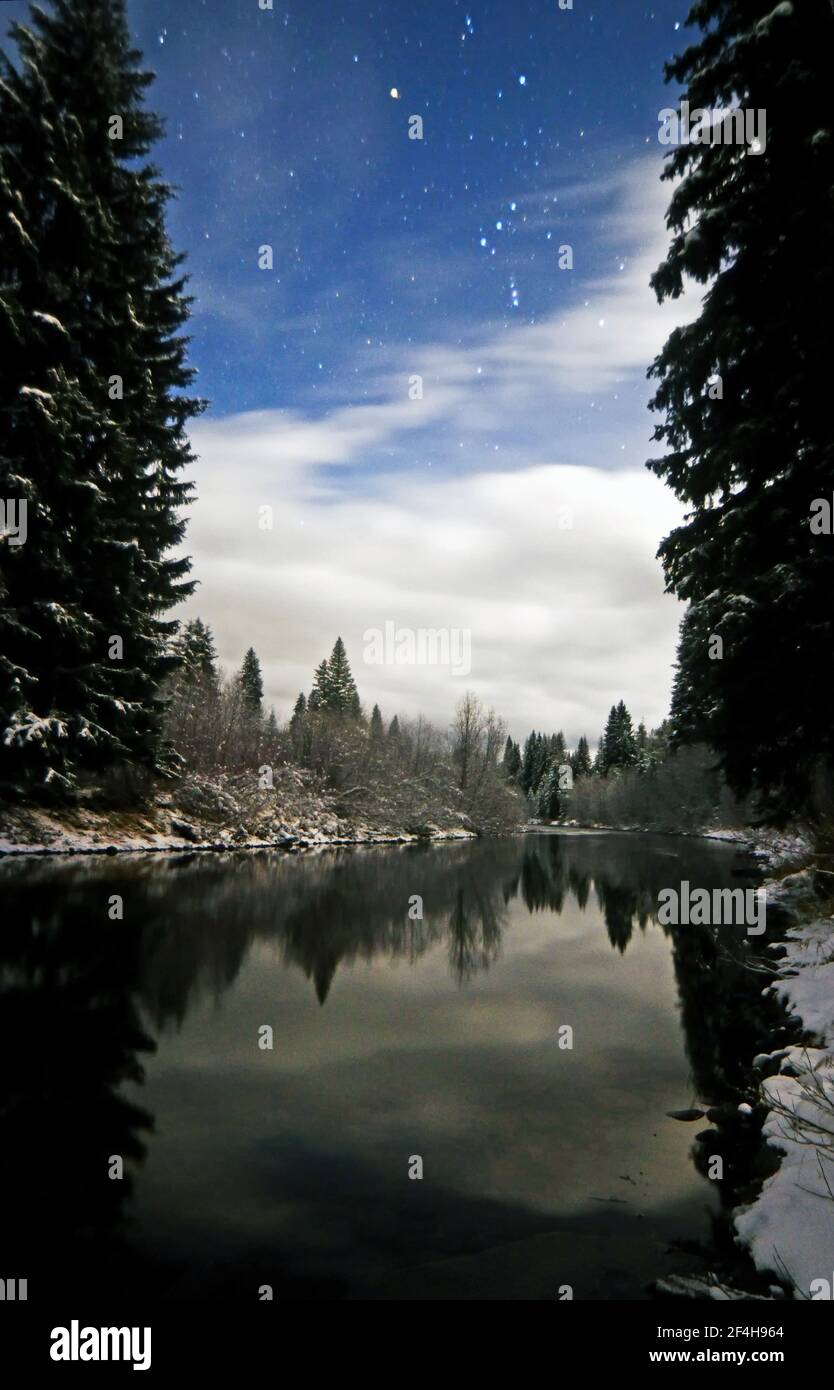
[
  {"x": 221, "y": 813},
  {"x": 787, "y": 1229},
  {"x": 776, "y": 849}
]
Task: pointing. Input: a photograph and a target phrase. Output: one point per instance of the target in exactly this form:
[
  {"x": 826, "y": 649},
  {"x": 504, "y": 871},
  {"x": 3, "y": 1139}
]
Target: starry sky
[{"x": 438, "y": 257}]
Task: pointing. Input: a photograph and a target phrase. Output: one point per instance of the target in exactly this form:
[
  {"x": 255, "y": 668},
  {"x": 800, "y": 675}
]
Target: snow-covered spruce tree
[
  {"x": 547, "y": 798},
  {"x": 744, "y": 393},
  {"x": 93, "y": 401},
  {"x": 557, "y": 750},
  {"x": 618, "y": 749},
  {"x": 641, "y": 744},
  {"x": 197, "y": 659},
  {"x": 342, "y": 695},
  {"x": 251, "y": 683},
  {"x": 193, "y": 693},
  {"x": 320, "y": 693}
]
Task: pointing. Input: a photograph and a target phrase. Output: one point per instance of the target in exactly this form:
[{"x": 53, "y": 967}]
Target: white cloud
[{"x": 563, "y": 621}]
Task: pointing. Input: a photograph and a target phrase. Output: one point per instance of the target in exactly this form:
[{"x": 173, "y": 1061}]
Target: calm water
[{"x": 393, "y": 1039}]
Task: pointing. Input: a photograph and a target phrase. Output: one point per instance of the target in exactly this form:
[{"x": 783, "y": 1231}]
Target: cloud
[
  {"x": 562, "y": 621},
  {"x": 445, "y": 512}
]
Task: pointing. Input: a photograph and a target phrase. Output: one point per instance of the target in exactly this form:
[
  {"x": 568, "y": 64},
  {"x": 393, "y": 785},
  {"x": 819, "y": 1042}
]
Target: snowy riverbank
[
  {"x": 225, "y": 813},
  {"x": 789, "y": 1228}
]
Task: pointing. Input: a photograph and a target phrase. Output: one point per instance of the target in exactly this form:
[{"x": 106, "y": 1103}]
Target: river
[{"x": 519, "y": 1046}]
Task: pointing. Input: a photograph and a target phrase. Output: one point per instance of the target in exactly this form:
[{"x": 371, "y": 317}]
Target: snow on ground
[
  {"x": 775, "y": 847},
  {"x": 227, "y": 812},
  {"x": 789, "y": 1229}
]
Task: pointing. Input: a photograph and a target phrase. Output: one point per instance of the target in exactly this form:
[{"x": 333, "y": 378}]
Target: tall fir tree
[
  {"x": 93, "y": 401},
  {"x": 558, "y": 752},
  {"x": 377, "y": 728},
  {"x": 298, "y": 717},
  {"x": 334, "y": 689},
  {"x": 320, "y": 693},
  {"x": 251, "y": 682},
  {"x": 548, "y": 799},
  {"x": 618, "y": 748},
  {"x": 581, "y": 760},
  {"x": 342, "y": 695},
  {"x": 512, "y": 759},
  {"x": 641, "y": 745},
  {"x": 196, "y": 656},
  {"x": 608, "y": 743},
  {"x": 529, "y": 759},
  {"x": 744, "y": 395}
]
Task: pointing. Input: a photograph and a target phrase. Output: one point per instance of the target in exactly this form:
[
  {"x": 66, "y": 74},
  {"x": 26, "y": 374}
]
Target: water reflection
[{"x": 85, "y": 999}]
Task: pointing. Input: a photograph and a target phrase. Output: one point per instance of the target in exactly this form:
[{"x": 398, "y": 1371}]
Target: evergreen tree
[
  {"x": 608, "y": 743},
  {"x": 548, "y": 800},
  {"x": 93, "y": 401},
  {"x": 618, "y": 749},
  {"x": 320, "y": 693},
  {"x": 627, "y": 740},
  {"x": 659, "y": 744},
  {"x": 540, "y": 761},
  {"x": 196, "y": 660},
  {"x": 342, "y": 695},
  {"x": 527, "y": 778},
  {"x": 251, "y": 682},
  {"x": 744, "y": 393},
  {"x": 598, "y": 769},
  {"x": 394, "y": 733},
  {"x": 334, "y": 689},
  {"x": 377, "y": 730},
  {"x": 512, "y": 759},
  {"x": 641, "y": 744},
  {"x": 581, "y": 760},
  {"x": 297, "y": 717}
]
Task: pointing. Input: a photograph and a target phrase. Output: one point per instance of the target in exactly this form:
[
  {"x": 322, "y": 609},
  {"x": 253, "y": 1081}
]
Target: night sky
[{"x": 439, "y": 257}]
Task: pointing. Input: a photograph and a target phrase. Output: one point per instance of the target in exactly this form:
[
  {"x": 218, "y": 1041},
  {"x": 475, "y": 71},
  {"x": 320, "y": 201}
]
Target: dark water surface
[{"x": 439, "y": 1038}]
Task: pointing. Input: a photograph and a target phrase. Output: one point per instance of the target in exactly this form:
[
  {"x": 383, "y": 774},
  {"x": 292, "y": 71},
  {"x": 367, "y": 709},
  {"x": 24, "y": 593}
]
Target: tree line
[
  {"x": 221, "y": 724},
  {"x": 546, "y": 771}
]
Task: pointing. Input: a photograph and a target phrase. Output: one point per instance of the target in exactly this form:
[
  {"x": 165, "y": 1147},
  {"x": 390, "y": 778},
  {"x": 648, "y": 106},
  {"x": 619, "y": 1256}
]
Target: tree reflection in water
[{"x": 81, "y": 995}]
